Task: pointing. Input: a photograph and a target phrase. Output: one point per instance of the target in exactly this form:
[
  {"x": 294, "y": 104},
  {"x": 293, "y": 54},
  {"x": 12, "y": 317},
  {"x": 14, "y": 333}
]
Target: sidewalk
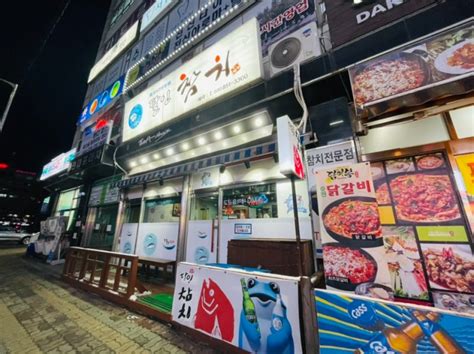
[{"x": 40, "y": 313}]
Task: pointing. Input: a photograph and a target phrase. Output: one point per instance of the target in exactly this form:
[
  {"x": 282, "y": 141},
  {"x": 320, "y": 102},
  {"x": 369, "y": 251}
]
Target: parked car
[{"x": 9, "y": 233}]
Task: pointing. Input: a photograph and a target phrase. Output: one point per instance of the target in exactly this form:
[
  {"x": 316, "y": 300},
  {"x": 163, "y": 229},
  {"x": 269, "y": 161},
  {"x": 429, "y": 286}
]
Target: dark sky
[{"x": 41, "y": 122}]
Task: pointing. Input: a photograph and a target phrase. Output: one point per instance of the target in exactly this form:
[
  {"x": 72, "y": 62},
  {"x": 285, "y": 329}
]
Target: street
[{"x": 40, "y": 313}]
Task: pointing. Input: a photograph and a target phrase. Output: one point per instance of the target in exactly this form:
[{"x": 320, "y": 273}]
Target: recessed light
[
  {"x": 237, "y": 129},
  {"x": 218, "y": 135},
  {"x": 143, "y": 160},
  {"x": 133, "y": 164},
  {"x": 201, "y": 140},
  {"x": 156, "y": 156},
  {"x": 185, "y": 146},
  {"x": 169, "y": 151},
  {"x": 258, "y": 122}
]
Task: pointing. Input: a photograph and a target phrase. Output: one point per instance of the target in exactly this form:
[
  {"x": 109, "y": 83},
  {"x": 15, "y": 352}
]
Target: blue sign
[
  {"x": 135, "y": 116},
  {"x": 102, "y": 100}
]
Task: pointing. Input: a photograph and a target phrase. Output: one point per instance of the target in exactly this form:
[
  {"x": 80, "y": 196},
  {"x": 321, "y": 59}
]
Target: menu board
[
  {"x": 426, "y": 240},
  {"x": 441, "y": 59},
  {"x": 351, "y": 232}
]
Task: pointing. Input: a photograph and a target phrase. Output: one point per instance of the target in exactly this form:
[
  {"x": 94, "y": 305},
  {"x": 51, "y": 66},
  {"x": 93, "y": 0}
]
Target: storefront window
[
  {"x": 204, "y": 206},
  {"x": 68, "y": 203},
  {"x": 166, "y": 209},
  {"x": 250, "y": 202},
  {"x": 132, "y": 212}
]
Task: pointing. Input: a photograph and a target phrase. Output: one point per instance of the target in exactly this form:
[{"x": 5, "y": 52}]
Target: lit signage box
[
  {"x": 290, "y": 158},
  {"x": 153, "y": 13},
  {"x": 58, "y": 164},
  {"x": 102, "y": 99},
  {"x": 113, "y": 52},
  {"x": 227, "y": 66}
]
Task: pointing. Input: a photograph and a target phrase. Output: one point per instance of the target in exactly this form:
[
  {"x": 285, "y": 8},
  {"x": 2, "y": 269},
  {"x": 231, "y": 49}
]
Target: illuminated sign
[
  {"x": 152, "y": 14},
  {"x": 289, "y": 152},
  {"x": 227, "y": 66},
  {"x": 102, "y": 100},
  {"x": 58, "y": 164},
  {"x": 113, "y": 52}
]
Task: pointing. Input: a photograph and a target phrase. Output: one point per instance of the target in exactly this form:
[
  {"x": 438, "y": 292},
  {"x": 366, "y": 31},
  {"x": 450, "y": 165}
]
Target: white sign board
[
  {"x": 157, "y": 240},
  {"x": 58, "y": 164},
  {"x": 114, "y": 52},
  {"x": 201, "y": 242},
  {"x": 289, "y": 151},
  {"x": 128, "y": 238},
  {"x": 153, "y": 13},
  {"x": 254, "y": 311},
  {"x": 229, "y": 65},
  {"x": 206, "y": 178}
]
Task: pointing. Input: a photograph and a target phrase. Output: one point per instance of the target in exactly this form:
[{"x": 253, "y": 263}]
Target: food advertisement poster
[
  {"x": 351, "y": 232},
  {"x": 445, "y": 58},
  {"x": 466, "y": 167},
  {"x": 254, "y": 311},
  {"x": 426, "y": 240},
  {"x": 356, "y": 324}
]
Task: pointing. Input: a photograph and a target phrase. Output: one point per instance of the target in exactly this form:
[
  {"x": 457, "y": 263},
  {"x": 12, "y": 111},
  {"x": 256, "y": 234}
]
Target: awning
[{"x": 231, "y": 157}]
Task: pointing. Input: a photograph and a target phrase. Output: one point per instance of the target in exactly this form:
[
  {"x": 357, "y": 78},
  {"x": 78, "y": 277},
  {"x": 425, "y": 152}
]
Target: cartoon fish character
[
  {"x": 215, "y": 314},
  {"x": 271, "y": 332}
]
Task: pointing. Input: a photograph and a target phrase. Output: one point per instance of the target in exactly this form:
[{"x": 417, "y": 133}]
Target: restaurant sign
[
  {"x": 289, "y": 149},
  {"x": 431, "y": 62},
  {"x": 58, "y": 164},
  {"x": 229, "y": 65},
  {"x": 351, "y": 19},
  {"x": 155, "y": 12}
]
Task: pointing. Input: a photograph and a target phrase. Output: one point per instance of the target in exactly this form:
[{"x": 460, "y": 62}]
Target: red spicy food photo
[
  {"x": 352, "y": 264},
  {"x": 429, "y": 162},
  {"x": 463, "y": 57},
  {"x": 424, "y": 198},
  {"x": 352, "y": 217},
  {"x": 387, "y": 78},
  {"x": 381, "y": 192}
]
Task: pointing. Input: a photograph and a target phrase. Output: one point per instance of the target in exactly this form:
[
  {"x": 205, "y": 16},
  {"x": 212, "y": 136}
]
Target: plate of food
[
  {"x": 424, "y": 198},
  {"x": 399, "y": 166},
  {"x": 456, "y": 60},
  {"x": 347, "y": 267},
  {"x": 376, "y": 170},
  {"x": 430, "y": 162},
  {"x": 388, "y": 77},
  {"x": 354, "y": 221},
  {"x": 450, "y": 267},
  {"x": 382, "y": 194}
]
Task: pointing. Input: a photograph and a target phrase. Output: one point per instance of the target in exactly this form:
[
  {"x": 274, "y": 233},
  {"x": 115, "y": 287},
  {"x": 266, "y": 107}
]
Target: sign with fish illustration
[
  {"x": 128, "y": 238},
  {"x": 157, "y": 240},
  {"x": 355, "y": 324},
  {"x": 254, "y": 311},
  {"x": 201, "y": 242}
]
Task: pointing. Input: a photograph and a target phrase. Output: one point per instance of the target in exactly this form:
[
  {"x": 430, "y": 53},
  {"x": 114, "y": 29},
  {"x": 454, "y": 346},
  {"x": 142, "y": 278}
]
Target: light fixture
[
  {"x": 237, "y": 129},
  {"x": 336, "y": 122},
  {"x": 143, "y": 160},
  {"x": 201, "y": 140},
  {"x": 218, "y": 135},
  {"x": 222, "y": 168},
  {"x": 247, "y": 164},
  {"x": 156, "y": 156},
  {"x": 133, "y": 164},
  {"x": 258, "y": 122},
  {"x": 169, "y": 151},
  {"x": 185, "y": 146}
]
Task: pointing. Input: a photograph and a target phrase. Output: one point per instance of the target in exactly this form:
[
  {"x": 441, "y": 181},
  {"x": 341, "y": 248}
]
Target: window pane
[
  {"x": 204, "y": 206},
  {"x": 163, "y": 209},
  {"x": 250, "y": 202},
  {"x": 132, "y": 213}
]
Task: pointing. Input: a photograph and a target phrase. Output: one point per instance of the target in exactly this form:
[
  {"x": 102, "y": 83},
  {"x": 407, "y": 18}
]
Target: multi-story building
[{"x": 176, "y": 149}]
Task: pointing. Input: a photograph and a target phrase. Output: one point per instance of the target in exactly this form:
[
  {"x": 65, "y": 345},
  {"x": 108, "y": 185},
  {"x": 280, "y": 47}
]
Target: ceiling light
[
  {"x": 218, "y": 135},
  {"x": 185, "y": 146},
  {"x": 237, "y": 129},
  {"x": 156, "y": 156},
  {"x": 133, "y": 164},
  {"x": 143, "y": 160},
  {"x": 169, "y": 151},
  {"x": 201, "y": 141},
  {"x": 336, "y": 122},
  {"x": 258, "y": 122}
]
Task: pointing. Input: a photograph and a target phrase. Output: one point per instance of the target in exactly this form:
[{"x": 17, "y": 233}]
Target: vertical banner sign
[
  {"x": 256, "y": 312},
  {"x": 355, "y": 324},
  {"x": 289, "y": 151},
  {"x": 351, "y": 232}
]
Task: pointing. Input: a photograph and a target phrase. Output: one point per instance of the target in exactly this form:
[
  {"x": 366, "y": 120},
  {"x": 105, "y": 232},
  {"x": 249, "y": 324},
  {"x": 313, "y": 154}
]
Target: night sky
[{"x": 42, "y": 120}]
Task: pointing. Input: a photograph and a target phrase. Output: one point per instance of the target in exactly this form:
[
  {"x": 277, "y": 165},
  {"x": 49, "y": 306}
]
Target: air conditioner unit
[{"x": 296, "y": 47}]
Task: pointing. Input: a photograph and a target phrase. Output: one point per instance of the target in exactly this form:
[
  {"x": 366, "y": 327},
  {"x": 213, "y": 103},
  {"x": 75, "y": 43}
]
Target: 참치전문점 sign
[{"x": 254, "y": 311}]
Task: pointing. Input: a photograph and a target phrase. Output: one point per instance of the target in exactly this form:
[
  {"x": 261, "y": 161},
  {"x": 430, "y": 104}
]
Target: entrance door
[
  {"x": 103, "y": 231},
  {"x": 202, "y": 232}
]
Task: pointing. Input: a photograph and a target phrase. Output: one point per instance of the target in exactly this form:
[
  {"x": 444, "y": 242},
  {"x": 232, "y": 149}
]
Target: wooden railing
[{"x": 103, "y": 272}]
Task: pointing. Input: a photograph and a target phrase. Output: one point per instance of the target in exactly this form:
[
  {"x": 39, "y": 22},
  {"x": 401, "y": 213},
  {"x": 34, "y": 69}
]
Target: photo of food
[
  {"x": 376, "y": 170},
  {"x": 458, "y": 59},
  {"x": 404, "y": 263},
  {"x": 382, "y": 194},
  {"x": 424, "y": 198},
  {"x": 400, "y": 166},
  {"x": 388, "y": 77},
  {"x": 449, "y": 266},
  {"x": 454, "y": 302},
  {"x": 346, "y": 263},
  {"x": 430, "y": 162},
  {"x": 375, "y": 291},
  {"x": 354, "y": 220}
]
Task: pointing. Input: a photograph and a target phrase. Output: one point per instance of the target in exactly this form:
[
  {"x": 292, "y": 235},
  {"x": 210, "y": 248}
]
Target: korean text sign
[
  {"x": 351, "y": 231},
  {"x": 356, "y": 324},
  {"x": 230, "y": 64},
  {"x": 254, "y": 311}
]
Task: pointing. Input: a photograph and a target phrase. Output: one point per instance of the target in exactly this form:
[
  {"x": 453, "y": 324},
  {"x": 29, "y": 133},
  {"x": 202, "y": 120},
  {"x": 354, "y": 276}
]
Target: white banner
[
  {"x": 128, "y": 238},
  {"x": 256, "y": 312},
  {"x": 289, "y": 150},
  {"x": 231, "y": 64},
  {"x": 351, "y": 231},
  {"x": 157, "y": 240},
  {"x": 201, "y": 242}
]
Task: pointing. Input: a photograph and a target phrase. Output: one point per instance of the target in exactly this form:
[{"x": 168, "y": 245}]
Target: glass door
[
  {"x": 201, "y": 241},
  {"x": 103, "y": 232}
]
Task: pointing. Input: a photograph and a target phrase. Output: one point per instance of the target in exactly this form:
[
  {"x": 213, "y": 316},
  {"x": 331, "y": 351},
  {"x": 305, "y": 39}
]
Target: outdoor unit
[{"x": 296, "y": 47}]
